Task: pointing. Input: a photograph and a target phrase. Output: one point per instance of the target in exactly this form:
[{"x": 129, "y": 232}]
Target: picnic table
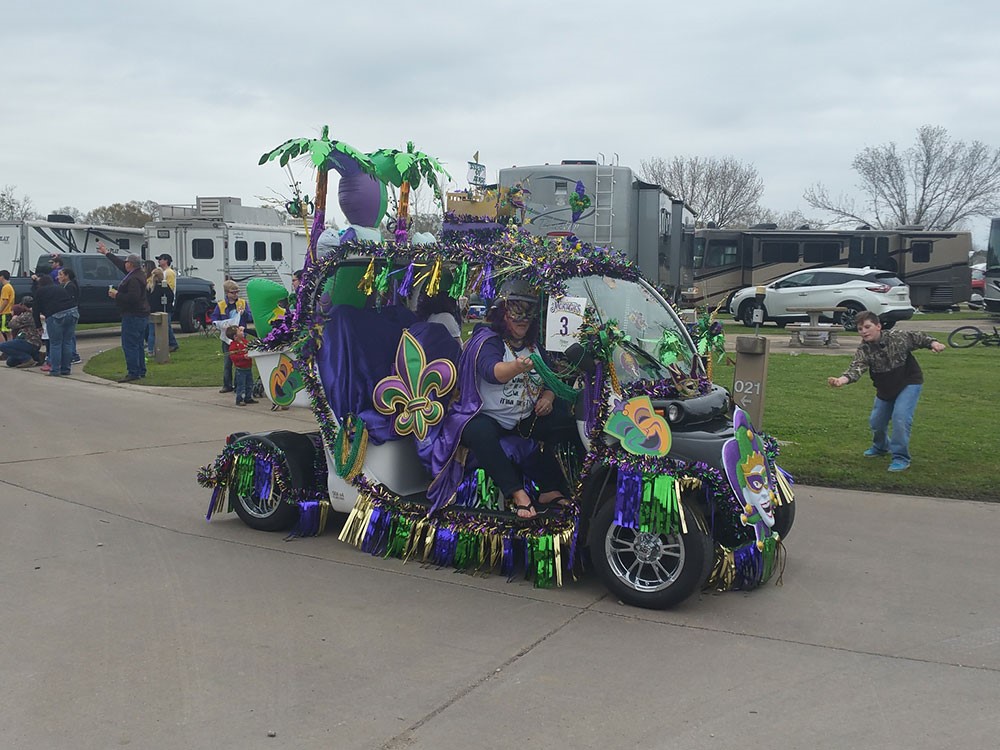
[
  {"x": 814, "y": 333},
  {"x": 815, "y": 312}
]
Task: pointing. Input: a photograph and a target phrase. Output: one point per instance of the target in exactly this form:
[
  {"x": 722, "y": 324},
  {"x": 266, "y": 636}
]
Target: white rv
[
  {"x": 24, "y": 243},
  {"x": 219, "y": 239}
]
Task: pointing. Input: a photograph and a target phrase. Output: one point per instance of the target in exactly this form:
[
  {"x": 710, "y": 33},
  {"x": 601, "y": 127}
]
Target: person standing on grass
[
  {"x": 230, "y": 311},
  {"x": 130, "y": 297},
  {"x": 898, "y": 380}
]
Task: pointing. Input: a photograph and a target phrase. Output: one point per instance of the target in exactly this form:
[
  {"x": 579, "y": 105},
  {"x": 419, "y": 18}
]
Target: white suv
[{"x": 856, "y": 289}]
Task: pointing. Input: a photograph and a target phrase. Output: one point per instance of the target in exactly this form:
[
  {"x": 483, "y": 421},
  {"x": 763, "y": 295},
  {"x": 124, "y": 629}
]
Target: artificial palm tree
[
  {"x": 324, "y": 154},
  {"x": 406, "y": 169}
]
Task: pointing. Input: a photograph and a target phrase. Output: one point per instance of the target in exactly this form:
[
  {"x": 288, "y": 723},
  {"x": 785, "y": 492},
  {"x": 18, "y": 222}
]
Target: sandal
[
  {"x": 559, "y": 501},
  {"x": 529, "y": 508}
]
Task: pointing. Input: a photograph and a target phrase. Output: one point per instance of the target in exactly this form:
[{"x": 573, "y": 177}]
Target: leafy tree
[
  {"x": 721, "y": 190},
  {"x": 13, "y": 208},
  {"x": 936, "y": 183},
  {"x": 131, "y": 214}
]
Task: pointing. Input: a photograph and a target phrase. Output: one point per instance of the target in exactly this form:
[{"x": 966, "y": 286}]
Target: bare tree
[
  {"x": 783, "y": 219},
  {"x": 936, "y": 183},
  {"x": 72, "y": 211},
  {"x": 722, "y": 190},
  {"x": 131, "y": 214},
  {"x": 13, "y": 208}
]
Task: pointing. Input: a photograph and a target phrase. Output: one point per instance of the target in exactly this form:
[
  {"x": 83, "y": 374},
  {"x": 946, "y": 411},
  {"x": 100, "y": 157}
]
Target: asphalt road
[{"x": 127, "y": 620}]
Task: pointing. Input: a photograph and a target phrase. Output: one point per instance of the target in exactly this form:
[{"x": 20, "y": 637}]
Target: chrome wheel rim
[{"x": 642, "y": 561}]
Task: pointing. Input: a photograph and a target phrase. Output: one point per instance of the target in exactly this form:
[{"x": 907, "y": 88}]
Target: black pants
[{"x": 482, "y": 436}]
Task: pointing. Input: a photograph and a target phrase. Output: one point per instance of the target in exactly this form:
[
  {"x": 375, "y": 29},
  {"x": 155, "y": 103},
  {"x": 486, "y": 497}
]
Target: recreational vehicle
[
  {"x": 600, "y": 204},
  {"x": 991, "y": 288},
  {"x": 219, "y": 239},
  {"x": 24, "y": 243},
  {"x": 933, "y": 264}
]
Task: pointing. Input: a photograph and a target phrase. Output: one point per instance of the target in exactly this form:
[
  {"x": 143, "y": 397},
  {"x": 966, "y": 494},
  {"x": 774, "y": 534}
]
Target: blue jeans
[
  {"x": 227, "y": 367},
  {"x": 244, "y": 384},
  {"x": 898, "y": 413},
  {"x": 133, "y": 338},
  {"x": 18, "y": 351},
  {"x": 62, "y": 334}
]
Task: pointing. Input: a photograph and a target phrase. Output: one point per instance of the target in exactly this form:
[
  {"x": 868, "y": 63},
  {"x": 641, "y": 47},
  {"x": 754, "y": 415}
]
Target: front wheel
[
  {"x": 964, "y": 337},
  {"x": 647, "y": 570}
]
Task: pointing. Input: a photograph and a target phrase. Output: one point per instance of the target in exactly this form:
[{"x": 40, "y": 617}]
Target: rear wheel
[
  {"x": 649, "y": 570},
  {"x": 849, "y": 318},
  {"x": 265, "y": 506},
  {"x": 964, "y": 337},
  {"x": 784, "y": 517}
]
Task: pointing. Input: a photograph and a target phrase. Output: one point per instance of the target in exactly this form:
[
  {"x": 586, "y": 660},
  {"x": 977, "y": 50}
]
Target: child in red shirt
[{"x": 242, "y": 364}]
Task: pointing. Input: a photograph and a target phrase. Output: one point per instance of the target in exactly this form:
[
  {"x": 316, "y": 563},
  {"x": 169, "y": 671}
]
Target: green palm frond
[{"x": 318, "y": 150}]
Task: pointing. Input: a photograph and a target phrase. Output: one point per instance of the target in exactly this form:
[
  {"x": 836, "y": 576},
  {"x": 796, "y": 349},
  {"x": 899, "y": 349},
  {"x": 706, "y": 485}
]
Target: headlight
[{"x": 674, "y": 413}]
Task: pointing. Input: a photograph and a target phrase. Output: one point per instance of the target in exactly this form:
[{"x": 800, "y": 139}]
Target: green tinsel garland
[{"x": 552, "y": 381}]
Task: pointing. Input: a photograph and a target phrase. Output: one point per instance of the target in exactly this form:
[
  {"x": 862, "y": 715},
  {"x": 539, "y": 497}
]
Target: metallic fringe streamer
[
  {"x": 215, "y": 504},
  {"x": 749, "y": 565},
  {"x": 628, "y": 499},
  {"x": 723, "y": 570},
  {"x": 312, "y": 518},
  {"x": 368, "y": 280},
  {"x": 476, "y": 546},
  {"x": 659, "y": 511},
  {"x": 488, "y": 289},
  {"x": 407, "y": 286},
  {"x": 460, "y": 281},
  {"x": 784, "y": 480},
  {"x": 434, "y": 282}
]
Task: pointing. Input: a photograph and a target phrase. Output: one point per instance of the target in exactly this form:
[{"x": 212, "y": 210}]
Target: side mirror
[{"x": 578, "y": 357}]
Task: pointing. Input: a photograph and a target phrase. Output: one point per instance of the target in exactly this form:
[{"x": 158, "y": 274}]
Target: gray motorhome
[
  {"x": 603, "y": 205},
  {"x": 220, "y": 238}
]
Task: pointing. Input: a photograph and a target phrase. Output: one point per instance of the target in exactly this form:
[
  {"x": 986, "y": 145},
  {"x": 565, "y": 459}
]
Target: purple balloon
[{"x": 362, "y": 197}]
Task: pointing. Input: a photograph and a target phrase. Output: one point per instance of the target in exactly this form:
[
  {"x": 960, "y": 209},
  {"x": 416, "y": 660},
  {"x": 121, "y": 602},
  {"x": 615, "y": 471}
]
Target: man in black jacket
[
  {"x": 61, "y": 315},
  {"x": 130, "y": 296}
]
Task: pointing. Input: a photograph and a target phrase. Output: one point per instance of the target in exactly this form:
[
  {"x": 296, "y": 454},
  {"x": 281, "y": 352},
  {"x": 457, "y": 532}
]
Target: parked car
[
  {"x": 978, "y": 280},
  {"x": 855, "y": 289},
  {"x": 477, "y": 312}
]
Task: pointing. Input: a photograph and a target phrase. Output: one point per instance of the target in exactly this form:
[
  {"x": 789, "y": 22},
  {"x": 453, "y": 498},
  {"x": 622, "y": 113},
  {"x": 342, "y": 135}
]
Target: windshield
[
  {"x": 641, "y": 314},
  {"x": 993, "y": 248}
]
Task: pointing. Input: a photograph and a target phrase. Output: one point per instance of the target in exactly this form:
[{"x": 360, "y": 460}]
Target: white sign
[
  {"x": 563, "y": 321},
  {"x": 477, "y": 174}
]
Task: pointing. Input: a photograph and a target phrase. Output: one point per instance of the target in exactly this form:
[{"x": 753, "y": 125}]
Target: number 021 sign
[{"x": 564, "y": 319}]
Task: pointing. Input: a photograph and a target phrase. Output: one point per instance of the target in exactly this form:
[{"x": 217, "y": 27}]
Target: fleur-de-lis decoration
[{"x": 414, "y": 388}]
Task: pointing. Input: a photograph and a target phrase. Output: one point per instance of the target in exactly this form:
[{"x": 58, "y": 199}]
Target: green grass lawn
[
  {"x": 198, "y": 362},
  {"x": 822, "y": 430}
]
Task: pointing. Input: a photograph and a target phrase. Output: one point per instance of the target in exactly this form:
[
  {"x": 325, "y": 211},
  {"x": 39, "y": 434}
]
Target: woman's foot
[
  {"x": 554, "y": 499},
  {"x": 524, "y": 509}
]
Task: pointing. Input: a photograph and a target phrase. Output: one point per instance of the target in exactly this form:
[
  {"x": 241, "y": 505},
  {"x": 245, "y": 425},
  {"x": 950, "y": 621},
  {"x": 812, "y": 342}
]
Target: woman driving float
[{"x": 515, "y": 402}]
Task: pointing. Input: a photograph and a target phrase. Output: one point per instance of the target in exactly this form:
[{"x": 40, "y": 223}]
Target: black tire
[
  {"x": 187, "y": 317},
  {"x": 849, "y": 318},
  {"x": 675, "y": 567},
  {"x": 784, "y": 518},
  {"x": 276, "y": 513},
  {"x": 746, "y": 313},
  {"x": 964, "y": 337}
]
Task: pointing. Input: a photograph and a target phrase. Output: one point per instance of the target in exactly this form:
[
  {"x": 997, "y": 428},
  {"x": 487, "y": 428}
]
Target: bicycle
[{"x": 966, "y": 336}]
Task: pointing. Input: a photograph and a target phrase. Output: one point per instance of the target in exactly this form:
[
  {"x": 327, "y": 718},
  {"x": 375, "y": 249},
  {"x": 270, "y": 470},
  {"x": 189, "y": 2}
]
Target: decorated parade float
[{"x": 673, "y": 490}]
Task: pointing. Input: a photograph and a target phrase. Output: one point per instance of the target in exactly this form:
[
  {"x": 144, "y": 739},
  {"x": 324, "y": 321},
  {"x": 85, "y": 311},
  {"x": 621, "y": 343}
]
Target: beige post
[
  {"x": 751, "y": 376},
  {"x": 161, "y": 352}
]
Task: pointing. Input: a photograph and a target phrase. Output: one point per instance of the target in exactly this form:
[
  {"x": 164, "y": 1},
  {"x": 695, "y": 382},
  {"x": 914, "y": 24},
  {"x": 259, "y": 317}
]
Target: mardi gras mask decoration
[
  {"x": 285, "y": 381},
  {"x": 520, "y": 311},
  {"x": 639, "y": 428}
]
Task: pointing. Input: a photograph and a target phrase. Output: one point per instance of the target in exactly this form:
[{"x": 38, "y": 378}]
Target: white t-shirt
[
  {"x": 508, "y": 403},
  {"x": 448, "y": 321}
]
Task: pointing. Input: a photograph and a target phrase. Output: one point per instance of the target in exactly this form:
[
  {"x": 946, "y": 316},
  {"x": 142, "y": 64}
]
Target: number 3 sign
[{"x": 565, "y": 316}]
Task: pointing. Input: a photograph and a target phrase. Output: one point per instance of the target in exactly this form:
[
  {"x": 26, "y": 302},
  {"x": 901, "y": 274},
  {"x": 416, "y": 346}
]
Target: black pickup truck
[{"x": 95, "y": 273}]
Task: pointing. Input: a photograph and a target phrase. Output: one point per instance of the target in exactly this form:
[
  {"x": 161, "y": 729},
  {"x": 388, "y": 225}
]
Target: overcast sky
[{"x": 106, "y": 102}]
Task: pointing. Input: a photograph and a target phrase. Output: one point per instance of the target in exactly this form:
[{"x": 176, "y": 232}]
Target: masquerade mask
[{"x": 520, "y": 311}]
